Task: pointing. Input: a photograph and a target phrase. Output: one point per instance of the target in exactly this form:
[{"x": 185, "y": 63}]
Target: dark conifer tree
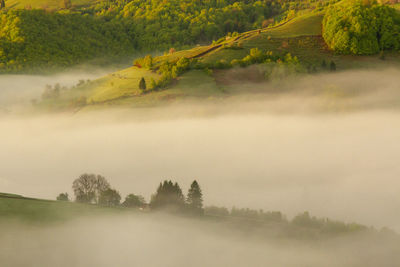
[
  {"x": 168, "y": 194},
  {"x": 195, "y": 198},
  {"x": 142, "y": 84}
]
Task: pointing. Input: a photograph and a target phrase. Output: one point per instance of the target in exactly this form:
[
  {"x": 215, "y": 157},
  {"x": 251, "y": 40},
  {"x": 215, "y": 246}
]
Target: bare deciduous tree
[{"x": 88, "y": 187}]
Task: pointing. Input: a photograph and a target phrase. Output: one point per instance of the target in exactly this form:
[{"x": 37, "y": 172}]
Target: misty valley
[{"x": 199, "y": 133}]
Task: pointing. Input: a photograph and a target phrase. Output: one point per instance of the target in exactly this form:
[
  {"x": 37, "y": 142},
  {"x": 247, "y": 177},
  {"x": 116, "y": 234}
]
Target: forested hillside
[
  {"x": 361, "y": 27},
  {"x": 39, "y": 39},
  {"x": 161, "y": 24},
  {"x": 33, "y": 40}
]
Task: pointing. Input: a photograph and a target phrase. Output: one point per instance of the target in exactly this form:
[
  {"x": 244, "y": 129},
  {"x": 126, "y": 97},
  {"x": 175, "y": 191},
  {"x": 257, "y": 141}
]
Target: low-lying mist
[
  {"x": 341, "y": 166},
  {"x": 19, "y": 90},
  {"x": 332, "y": 152},
  {"x": 160, "y": 240}
]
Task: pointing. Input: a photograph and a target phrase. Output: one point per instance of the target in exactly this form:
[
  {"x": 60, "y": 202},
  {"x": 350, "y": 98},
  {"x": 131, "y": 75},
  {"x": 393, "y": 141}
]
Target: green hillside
[
  {"x": 38, "y": 210},
  {"x": 64, "y": 33},
  {"x": 303, "y": 226},
  {"x": 296, "y": 45},
  {"x": 48, "y": 35}
]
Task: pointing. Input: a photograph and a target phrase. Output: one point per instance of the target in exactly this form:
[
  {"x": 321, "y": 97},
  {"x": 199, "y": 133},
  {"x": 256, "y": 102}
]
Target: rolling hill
[
  {"x": 301, "y": 37},
  {"x": 27, "y": 209}
]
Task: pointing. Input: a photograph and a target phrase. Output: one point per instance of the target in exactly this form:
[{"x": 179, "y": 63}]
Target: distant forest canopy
[
  {"x": 161, "y": 23},
  {"x": 38, "y": 39},
  {"x": 361, "y": 27}
]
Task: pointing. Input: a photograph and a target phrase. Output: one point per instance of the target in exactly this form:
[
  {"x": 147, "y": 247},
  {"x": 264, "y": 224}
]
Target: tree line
[
  {"x": 95, "y": 189},
  {"x": 278, "y": 66}
]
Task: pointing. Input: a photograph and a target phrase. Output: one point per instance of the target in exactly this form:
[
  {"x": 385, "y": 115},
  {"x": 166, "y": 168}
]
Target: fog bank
[
  {"x": 17, "y": 90},
  {"x": 156, "y": 240},
  {"x": 340, "y": 166},
  {"x": 333, "y": 152}
]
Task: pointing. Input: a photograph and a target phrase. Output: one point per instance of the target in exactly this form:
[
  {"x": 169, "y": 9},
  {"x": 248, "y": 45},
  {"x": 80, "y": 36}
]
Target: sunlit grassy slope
[
  {"x": 299, "y": 36},
  {"x": 120, "y": 84},
  {"x": 193, "y": 84},
  {"x": 122, "y": 87},
  {"x": 112, "y": 87}
]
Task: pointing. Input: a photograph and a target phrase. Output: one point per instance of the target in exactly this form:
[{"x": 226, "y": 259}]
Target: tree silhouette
[
  {"x": 109, "y": 197},
  {"x": 134, "y": 201},
  {"x": 168, "y": 194},
  {"x": 142, "y": 84},
  {"x": 63, "y": 197},
  {"x": 101, "y": 186},
  {"x": 88, "y": 187},
  {"x": 195, "y": 198}
]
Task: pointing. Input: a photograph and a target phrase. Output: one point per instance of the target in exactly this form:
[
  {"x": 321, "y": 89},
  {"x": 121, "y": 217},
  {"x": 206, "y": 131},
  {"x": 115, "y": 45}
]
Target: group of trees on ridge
[
  {"x": 95, "y": 189},
  {"x": 278, "y": 66}
]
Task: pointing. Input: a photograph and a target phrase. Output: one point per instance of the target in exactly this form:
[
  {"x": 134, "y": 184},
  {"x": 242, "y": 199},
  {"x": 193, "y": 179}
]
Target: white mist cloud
[
  {"x": 276, "y": 153},
  {"x": 341, "y": 166},
  {"x": 21, "y": 89},
  {"x": 156, "y": 240}
]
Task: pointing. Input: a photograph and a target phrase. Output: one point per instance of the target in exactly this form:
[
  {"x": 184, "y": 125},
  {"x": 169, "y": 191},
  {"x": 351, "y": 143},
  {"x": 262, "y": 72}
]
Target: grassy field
[
  {"x": 193, "y": 84},
  {"x": 115, "y": 86},
  {"x": 300, "y": 36},
  {"x": 39, "y": 210},
  {"x": 120, "y": 84},
  {"x": 309, "y": 24}
]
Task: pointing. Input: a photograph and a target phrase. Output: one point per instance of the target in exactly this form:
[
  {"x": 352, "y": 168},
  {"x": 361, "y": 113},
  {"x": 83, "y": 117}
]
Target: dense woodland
[
  {"x": 32, "y": 39},
  {"x": 361, "y": 27},
  {"x": 58, "y": 39},
  {"x": 161, "y": 24}
]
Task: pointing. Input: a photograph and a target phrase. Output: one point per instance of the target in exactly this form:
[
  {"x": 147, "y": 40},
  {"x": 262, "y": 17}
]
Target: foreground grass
[{"x": 15, "y": 207}]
